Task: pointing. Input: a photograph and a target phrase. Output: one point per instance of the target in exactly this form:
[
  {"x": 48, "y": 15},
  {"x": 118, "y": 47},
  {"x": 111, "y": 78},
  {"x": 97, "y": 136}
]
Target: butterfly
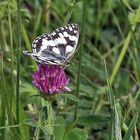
[{"x": 56, "y": 48}]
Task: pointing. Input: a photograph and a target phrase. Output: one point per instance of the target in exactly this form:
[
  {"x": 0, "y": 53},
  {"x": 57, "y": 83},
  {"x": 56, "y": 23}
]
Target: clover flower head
[{"x": 50, "y": 79}]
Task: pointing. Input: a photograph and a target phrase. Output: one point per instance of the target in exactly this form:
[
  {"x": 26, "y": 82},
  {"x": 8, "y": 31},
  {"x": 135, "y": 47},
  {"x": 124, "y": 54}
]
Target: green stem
[
  {"x": 10, "y": 126},
  {"x": 49, "y": 120},
  {"x": 98, "y": 23},
  {"x": 37, "y": 131},
  {"x": 4, "y": 100},
  {"x": 49, "y": 114},
  {"x": 70, "y": 12},
  {"x": 18, "y": 60},
  {"x": 11, "y": 51},
  {"x": 80, "y": 60},
  {"x": 120, "y": 59}
]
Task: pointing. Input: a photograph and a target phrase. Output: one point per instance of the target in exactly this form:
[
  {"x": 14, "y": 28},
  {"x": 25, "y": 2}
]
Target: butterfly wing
[
  {"x": 42, "y": 51},
  {"x": 56, "y": 48},
  {"x": 66, "y": 39}
]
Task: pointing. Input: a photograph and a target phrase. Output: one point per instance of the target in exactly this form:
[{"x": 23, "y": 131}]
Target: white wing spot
[
  {"x": 75, "y": 31},
  {"x": 44, "y": 35},
  {"x": 72, "y": 38},
  {"x": 53, "y": 33},
  {"x": 65, "y": 34},
  {"x": 58, "y": 40},
  {"x": 61, "y": 35},
  {"x": 62, "y": 38},
  {"x": 42, "y": 48},
  {"x": 35, "y": 41},
  {"x": 69, "y": 48},
  {"x": 70, "y": 28},
  {"x": 56, "y": 50},
  {"x": 48, "y": 43},
  {"x": 34, "y": 45}
]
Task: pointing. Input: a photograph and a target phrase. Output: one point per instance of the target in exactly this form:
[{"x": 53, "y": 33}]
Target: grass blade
[
  {"x": 131, "y": 127},
  {"x": 115, "y": 122},
  {"x": 18, "y": 61},
  {"x": 124, "y": 49}
]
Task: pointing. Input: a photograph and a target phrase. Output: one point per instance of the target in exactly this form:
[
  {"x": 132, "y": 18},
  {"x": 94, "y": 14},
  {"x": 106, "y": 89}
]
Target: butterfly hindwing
[
  {"x": 41, "y": 42},
  {"x": 56, "y": 48}
]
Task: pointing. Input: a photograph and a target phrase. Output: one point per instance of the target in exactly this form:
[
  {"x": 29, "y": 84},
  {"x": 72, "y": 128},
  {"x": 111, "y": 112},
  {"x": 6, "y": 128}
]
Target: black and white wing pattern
[{"x": 56, "y": 48}]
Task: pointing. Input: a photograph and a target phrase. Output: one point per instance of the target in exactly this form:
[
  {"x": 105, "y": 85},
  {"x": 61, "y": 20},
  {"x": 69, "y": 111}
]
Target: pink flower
[{"x": 50, "y": 79}]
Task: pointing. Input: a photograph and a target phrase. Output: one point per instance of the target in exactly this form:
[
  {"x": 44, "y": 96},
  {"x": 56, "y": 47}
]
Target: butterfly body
[{"x": 56, "y": 48}]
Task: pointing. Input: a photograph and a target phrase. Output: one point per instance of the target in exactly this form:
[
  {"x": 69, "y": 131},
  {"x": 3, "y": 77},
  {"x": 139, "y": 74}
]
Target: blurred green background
[{"x": 107, "y": 94}]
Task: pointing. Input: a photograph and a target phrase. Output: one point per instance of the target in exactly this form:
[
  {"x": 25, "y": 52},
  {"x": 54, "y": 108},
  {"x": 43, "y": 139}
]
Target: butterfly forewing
[
  {"x": 55, "y": 48},
  {"x": 66, "y": 39}
]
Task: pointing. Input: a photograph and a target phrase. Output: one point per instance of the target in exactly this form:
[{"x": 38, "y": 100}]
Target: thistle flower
[{"x": 50, "y": 79}]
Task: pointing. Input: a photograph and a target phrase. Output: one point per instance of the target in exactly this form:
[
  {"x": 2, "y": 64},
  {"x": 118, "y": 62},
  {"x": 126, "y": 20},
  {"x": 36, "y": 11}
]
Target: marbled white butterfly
[{"x": 56, "y": 48}]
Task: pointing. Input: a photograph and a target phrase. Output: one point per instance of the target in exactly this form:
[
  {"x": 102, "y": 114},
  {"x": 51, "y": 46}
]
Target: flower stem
[
  {"x": 49, "y": 120},
  {"x": 37, "y": 131},
  {"x": 81, "y": 54}
]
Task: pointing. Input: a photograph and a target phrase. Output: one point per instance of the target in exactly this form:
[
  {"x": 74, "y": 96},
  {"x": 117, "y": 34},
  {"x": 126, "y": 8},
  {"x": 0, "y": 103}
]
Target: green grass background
[{"x": 104, "y": 73}]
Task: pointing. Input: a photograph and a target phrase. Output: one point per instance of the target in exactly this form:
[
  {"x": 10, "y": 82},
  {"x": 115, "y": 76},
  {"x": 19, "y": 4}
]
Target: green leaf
[
  {"x": 134, "y": 17},
  {"x": 131, "y": 128},
  {"x": 93, "y": 120},
  {"x": 30, "y": 122},
  {"x": 25, "y": 14},
  {"x": 27, "y": 88},
  {"x": 76, "y": 134},
  {"x": 126, "y": 3},
  {"x": 45, "y": 130},
  {"x": 59, "y": 128},
  {"x": 71, "y": 97}
]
